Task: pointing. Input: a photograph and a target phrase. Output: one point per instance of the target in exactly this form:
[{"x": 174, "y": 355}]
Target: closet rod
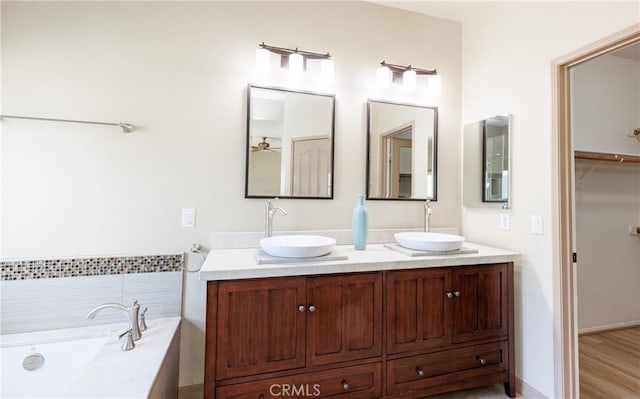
[
  {"x": 126, "y": 127},
  {"x": 601, "y": 156}
]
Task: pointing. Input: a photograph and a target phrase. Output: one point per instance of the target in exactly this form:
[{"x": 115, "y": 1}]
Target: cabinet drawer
[
  {"x": 348, "y": 382},
  {"x": 445, "y": 367}
]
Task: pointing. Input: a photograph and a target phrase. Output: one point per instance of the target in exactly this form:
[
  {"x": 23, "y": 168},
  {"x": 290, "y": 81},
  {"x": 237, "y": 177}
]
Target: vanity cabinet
[
  {"x": 449, "y": 327},
  {"x": 264, "y": 326},
  {"x": 397, "y": 333}
]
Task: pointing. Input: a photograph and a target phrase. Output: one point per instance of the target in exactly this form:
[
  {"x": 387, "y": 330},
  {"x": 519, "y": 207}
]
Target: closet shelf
[{"x": 601, "y": 156}]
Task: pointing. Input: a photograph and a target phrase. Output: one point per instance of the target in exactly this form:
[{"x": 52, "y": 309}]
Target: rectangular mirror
[
  {"x": 289, "y": 143},
  {"x": 402, "y": 151},
  {"x": 487, "y": 163}
]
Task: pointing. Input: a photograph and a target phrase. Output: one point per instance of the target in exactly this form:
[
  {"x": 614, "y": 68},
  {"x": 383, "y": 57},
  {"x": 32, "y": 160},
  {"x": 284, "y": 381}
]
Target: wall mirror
[
  {"x": 289, "y": 143},
  {"x": 402, "y": 151},
  {"x": 487, "y": 162}
]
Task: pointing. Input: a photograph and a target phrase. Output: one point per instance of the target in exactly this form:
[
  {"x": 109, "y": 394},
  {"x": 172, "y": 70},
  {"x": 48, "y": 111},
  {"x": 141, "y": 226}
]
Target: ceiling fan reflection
[{"x": 264, "y": 146}]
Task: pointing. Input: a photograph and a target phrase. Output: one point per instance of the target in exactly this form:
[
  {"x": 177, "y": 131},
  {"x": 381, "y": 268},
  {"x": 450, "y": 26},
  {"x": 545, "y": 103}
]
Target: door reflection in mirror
[
  {"x": 289, "y": 143},
  {"x": 401, "y": 145}
]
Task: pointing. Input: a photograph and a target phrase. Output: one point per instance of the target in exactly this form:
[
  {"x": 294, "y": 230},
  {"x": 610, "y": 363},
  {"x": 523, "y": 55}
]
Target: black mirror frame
[
  {"x": 248, "y": 142},
  {"x": 435, "y": 151}
]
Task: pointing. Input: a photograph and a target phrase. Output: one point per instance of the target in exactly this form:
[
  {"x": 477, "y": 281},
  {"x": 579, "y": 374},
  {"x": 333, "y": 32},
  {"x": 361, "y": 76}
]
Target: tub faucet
[
  {"x": 131, "y": 312},
  {"x": 269, "y": 211},
  {"x": 427, "y": 216}
]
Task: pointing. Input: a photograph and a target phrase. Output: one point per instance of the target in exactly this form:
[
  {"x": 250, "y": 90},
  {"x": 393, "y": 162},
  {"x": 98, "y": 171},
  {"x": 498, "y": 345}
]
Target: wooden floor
[{"x": 610, "y": 364}]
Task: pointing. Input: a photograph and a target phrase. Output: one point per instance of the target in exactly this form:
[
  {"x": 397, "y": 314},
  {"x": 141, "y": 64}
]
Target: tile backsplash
[
  {"x": 93, "y": 266},
  {"x": 58, "y": 293}
]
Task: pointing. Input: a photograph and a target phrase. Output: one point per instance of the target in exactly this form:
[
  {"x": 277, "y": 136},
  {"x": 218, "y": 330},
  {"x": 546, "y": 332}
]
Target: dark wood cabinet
[
  {"x": 418, "y": 310},
  {"x": 460, "y": 318},
  {"x": 480, "y": 303},
  {"x": 344, "y": 320},
  {"x": 395, "y": 334},
  {"x": 260, "y": 326}
]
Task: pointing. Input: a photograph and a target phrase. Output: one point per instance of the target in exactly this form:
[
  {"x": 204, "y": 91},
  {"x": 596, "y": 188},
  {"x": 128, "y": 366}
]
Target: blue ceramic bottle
[{"x": 360, "y": 224}]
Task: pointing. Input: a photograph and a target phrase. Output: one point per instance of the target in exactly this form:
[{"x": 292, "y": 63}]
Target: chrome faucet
[
  {"x": 269, "y": 211},
  {"x": 427, "y": 216},
  {"x": 132, "y": 313}
]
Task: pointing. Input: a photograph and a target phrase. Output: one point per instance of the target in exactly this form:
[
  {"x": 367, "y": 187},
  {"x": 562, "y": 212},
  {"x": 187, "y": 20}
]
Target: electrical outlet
[
  {"x": 536, "y": 224},
  {"x": 188, "y": 217},
  {"x": 505, "y": 221}
]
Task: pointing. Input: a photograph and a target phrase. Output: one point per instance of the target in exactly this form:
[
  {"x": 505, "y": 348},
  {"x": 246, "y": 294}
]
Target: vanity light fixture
[
  {"x": 293, "y": 59},
  {"x": 405, "y": 75}
]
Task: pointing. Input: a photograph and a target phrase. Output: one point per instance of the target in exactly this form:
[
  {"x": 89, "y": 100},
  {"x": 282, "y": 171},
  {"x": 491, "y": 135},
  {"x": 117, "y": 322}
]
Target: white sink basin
[
  {"x": 297, "y": 246},
  {"x": 426, "y": 241}
]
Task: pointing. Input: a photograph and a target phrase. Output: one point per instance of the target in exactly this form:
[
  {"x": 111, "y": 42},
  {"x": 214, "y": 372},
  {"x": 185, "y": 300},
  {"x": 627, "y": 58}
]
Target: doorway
[
  {"x": 565, "y": 284},
  {"x": 396, "y": 177}
]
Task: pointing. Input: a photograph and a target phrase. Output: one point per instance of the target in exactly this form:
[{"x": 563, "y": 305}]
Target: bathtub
[{"x": 87, "y": 362}]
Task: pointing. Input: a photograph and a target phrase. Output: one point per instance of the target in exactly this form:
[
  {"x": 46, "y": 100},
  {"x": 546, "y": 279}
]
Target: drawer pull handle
[
  {"x": 456, "y": 293},
  {"x": 420, "y": 371},
  {"x": 301, "y": 308},
  {"x": 482, "y": 360},
  {"x": 345, "y": 385},
  {"x": 449, "y": 294},
  {"x": 312, "y": 308}
]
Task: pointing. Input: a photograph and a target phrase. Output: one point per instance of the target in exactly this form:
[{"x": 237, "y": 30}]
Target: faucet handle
[
  {"x": 128, "y": 343},
  {"x": 143, "y": 323}
]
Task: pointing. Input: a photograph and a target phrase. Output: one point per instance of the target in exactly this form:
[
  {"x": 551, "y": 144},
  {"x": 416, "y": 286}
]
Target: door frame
[
  {"x": 564, "y": 279},
  {"x": 383, "y": 149}
]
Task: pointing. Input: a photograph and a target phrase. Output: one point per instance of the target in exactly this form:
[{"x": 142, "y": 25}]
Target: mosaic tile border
[{"x": 98, "y": 266}]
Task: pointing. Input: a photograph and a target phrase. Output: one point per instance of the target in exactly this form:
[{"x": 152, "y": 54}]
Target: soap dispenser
[{"x": 360, "y": 224}]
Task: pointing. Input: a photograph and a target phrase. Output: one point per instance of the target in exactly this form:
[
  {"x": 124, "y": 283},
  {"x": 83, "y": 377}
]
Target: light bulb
[
  {"x": 383, "y": 77},
  {"x": 409, "y": 80},
  {"x": 263, "y": 60},
  {"x": 326, "y": 69},
  {"x": 434, "y": 85},
  {"x": 295, "y": 63}
]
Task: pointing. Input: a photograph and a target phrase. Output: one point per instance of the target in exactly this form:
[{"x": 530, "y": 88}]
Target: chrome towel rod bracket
[{"x": 126, "y": 127}]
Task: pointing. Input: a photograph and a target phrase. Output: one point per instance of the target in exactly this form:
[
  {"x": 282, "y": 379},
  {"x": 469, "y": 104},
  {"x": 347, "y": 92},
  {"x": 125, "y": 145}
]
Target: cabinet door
[
  {"x": 261, "y": 326},
  {"x": 480, "y": 303},
  {"x": 344, "y": 318},
  {"x": 418, "y": 309}
]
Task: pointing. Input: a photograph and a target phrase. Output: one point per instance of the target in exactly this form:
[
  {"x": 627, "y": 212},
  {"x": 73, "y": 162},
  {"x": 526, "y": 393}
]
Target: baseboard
[
  {"x": 191, "y": 391},
  {"x": 608, "y": 327},
  {"x": 527, "y": 391}
]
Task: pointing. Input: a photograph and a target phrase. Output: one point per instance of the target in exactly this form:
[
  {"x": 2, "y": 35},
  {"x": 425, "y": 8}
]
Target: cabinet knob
[
  {"x": 482, "y": 360},
  {"x": 261, "y": 396},
  {"x": 449, "y": 294},
  {"x": 345, "y": 385},
  {"x": 456, "y": 293},
  {"x": 312, "y": 308},
  {"x": 420, "y": 371},
  {"x": 301, "y": 308}
]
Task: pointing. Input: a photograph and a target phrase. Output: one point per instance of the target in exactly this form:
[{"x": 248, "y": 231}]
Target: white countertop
[
  {"x": 114, "y": 373},
  {"x": 231, "y": 264}
]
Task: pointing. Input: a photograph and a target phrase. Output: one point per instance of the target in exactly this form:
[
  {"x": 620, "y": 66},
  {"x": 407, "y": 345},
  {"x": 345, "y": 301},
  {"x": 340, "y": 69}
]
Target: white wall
[
  {"x": 508, "y": 49},
  {"x": 178, "y": 72},
  {"x": 605, "y": 108},
  {"x": 605, "y": 96},
  {"x": 608, "y": 268}
]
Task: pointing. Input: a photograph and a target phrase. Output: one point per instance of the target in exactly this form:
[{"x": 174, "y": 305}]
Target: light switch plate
[
  {"x": 188, "y": 217},
  {"x": 536, "y": 224},
  {"x": 505, "y": 221}
]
